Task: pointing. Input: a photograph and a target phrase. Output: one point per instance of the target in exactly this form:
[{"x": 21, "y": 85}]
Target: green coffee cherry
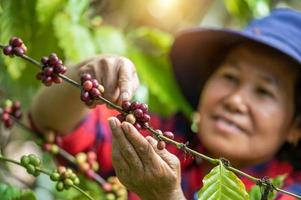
[
  {"x": 59, "y": 186},
  {"x": 34, "y": 160},
  {"x": 67, "y": 183},
  {"x": 30, "y": 169},
  {"x": 110, "y": 196},
  {"x": 55, "y": 176},
  {"x": 76, "y": 181},
  {"x": 8, "y": 103},
  {"x": 81, "y": 157},
  {"x": 54, "y": 149},
  {"x": 36, "y": 173},
  {"x": 25, "y": 160}
]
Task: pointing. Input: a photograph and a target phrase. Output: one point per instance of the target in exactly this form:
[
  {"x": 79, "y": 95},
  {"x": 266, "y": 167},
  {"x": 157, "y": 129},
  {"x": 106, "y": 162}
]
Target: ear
[{"x": 294, "y": 133}]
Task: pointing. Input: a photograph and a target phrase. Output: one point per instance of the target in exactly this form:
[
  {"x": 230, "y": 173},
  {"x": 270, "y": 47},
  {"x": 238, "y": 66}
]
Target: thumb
[
  {"x": 168, "y": 157},
  {"x": 125, "y": 87}
]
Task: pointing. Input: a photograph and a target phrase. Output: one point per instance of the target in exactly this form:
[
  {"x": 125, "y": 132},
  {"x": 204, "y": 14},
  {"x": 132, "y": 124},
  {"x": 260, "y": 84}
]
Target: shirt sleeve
[{"x": 90, "y": 132}]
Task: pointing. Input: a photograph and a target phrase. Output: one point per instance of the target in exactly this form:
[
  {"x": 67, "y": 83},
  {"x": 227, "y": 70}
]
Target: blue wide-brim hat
[{"x": 195, "y": 52}]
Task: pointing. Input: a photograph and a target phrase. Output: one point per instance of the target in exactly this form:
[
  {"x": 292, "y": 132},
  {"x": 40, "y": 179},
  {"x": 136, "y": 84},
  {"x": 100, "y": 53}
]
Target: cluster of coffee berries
[
  {"x": 52, "y": 66},
  {"x": 64, "y": 177},
  {"x": 161, "y": 144},
  {"x": 50, "y": 144},
  {"x": 11, "y": 108},
  {"x": 91, "y": 89},
  {"x": 15, "y": 47},
  {"x": 137, "y": 114},
  {"x": 31, "y": 163},
  {"x": 116, "y": 191},
  {"x": 52, "y": 148},
  {"x": 87, "y": 163}
]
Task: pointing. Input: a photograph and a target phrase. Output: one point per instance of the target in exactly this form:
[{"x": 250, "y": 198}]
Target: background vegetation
[{"x": 138, "y": 29}]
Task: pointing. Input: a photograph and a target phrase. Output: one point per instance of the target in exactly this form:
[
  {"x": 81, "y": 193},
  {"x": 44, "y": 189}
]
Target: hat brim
[{"x": 195, "y": 54}]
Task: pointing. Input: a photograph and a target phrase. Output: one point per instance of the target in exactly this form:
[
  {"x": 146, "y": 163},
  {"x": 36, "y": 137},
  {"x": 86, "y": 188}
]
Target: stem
[
  {"x": 181, "y": 146},
  {"x": 288, "y": 193},
  {"x": 82, "y": 191},
  {"x": 254, "y": 179},
  {"x": 44, "y": 172},
  {"x": 74, "y": 186},
  {"x": 10, "y": 160},
  {"x": 70, "y": 158}
]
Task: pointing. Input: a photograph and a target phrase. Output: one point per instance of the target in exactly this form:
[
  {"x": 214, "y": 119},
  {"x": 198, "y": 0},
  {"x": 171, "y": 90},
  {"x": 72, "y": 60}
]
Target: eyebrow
[
  {"x": 270, "y": 79},
  {"x": 265, "y": 77}
]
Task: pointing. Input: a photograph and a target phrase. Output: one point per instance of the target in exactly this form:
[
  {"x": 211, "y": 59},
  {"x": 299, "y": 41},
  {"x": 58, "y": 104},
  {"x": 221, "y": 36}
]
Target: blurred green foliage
[
  {"x": 71, "y": 29},
  {"x": 245, "y": 10},
  {"x": 65, "y": 27},
  {"x": 8, "y": 192}
]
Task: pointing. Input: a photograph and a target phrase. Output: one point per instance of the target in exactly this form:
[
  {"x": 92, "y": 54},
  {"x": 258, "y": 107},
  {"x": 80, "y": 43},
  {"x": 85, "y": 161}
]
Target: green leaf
[
  {"x": 221, "y": 184},
  {"x": 75, "y": 39},
  {"x": 255, "y": 192},
  {"x": 109, "y": 39},
  {"x": 8, "y": 192},
  {"x": 16, "y": 22},
  {"x": 76, "y": 8},
  {"x": 239, "y": 9},
  {"x": 152, "y": 41},
  {"x": 259, "y": 8},
  {"x": 46, "y": 9}
]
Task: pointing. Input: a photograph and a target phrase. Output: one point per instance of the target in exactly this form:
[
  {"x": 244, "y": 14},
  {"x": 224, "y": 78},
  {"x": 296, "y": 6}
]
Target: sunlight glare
[{"x": 162, "y": 8}]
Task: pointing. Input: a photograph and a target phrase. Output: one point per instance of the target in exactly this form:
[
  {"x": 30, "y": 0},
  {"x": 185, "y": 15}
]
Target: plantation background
[{"x": 138, "y": 29}]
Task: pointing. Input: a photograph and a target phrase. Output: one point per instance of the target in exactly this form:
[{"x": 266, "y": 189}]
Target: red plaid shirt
[{"x": 93, "y": 133}]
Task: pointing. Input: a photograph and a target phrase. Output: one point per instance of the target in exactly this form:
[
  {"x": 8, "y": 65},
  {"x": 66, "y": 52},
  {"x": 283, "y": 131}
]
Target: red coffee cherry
[
  {"x": 126, "y": 106},
  {"x": 169, "y": 134},
  {"x": 52, "y": 67},
  {"x": 87, "y": 85}
]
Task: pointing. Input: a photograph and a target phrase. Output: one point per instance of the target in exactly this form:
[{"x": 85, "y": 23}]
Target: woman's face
[{"x": 247, "y": 105}]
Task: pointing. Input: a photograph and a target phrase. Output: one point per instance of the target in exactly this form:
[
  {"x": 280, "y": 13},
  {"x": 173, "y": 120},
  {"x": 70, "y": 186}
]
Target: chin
[{"x": 221, "y": 148}]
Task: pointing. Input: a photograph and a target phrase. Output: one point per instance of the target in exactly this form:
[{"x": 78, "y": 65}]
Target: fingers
[
  {"x": 122, "y": 148},
  {"x": 168, "y": 157},
  {"x": 116, "y": 74},
  {"x": 128, "y": 80},
  {"x": 108, "y": 72},
  {"x": 140, "y": 144}
]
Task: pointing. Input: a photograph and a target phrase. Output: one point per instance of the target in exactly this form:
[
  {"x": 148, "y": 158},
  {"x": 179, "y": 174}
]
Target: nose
[{"x": 235, "y": 102}]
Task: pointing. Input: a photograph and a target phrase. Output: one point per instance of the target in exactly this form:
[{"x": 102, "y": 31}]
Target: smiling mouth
[{"x": 227, "y": 125}]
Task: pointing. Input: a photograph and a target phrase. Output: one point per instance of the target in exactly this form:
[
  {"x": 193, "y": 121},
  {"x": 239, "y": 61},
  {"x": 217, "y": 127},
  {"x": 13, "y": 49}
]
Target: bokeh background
[
  {"x": 138, "y": 29},
  {"x": 142, "y": 30}
]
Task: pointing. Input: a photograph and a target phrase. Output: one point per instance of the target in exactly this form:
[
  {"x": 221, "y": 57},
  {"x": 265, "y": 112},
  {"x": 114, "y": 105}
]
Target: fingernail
[
  {"x": 126, "y": 127},
  {"x": 125, "y": 96},
  {"x": 112, "y": 123}
]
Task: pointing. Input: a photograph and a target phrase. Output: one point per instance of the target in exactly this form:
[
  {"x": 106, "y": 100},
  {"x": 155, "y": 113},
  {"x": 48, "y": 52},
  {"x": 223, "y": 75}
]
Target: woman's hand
[
  {"x": 117, "y": 75},
  {"x": 141, "y": 167}
]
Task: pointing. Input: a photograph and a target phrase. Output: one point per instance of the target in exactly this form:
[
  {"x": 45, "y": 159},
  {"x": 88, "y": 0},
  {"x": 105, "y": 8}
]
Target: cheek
[
  {"x": 270, "y": 127},
  {"x": 212, "y": 93},
  {"x": 270, "y": 118}
]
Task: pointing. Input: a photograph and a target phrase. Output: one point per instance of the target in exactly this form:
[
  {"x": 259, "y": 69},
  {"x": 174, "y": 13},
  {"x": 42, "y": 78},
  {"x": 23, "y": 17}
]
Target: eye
[
  {"x": 264, "y": 92},
  {"x": 230, "y": 77}
]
